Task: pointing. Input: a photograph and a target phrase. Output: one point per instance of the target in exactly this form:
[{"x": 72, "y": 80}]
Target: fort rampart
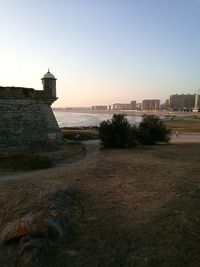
[{"x": 26, "y": 116}]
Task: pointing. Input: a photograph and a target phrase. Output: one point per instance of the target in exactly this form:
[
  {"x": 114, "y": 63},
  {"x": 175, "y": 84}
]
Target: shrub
[
  {"x": 115, "y": 133},
  {"x": 118, "y": 133},
  {"x": 152, "y": 130}
]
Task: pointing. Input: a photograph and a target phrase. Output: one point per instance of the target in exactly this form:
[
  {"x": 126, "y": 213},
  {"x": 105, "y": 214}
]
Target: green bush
[
  {"x": 116, "y": 133},
  {"x": 152, "y": 130},
  {"x": 133, "y": 137}
]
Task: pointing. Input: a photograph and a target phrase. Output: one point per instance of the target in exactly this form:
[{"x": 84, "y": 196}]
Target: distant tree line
[{"x": 119, "y": 133}]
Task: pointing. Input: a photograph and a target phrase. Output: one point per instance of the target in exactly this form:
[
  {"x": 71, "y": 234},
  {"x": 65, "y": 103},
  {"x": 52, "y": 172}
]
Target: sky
[{"x": 102, "y": 51}]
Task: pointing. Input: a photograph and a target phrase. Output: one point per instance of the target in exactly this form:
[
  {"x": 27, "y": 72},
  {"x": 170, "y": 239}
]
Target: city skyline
[{"x": 102, "y": 52}]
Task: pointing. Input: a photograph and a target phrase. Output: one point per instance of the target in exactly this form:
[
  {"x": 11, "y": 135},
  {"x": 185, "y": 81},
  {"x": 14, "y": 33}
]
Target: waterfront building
[
  {"x": 121, "y": 106},
  {"x": 138, "y": 106},
  {"x": 99, "y": 107},
  {"x": 151, "y": 104},
  {"x": 133, "y": 104},
  {"x": 184, "y": 102}
]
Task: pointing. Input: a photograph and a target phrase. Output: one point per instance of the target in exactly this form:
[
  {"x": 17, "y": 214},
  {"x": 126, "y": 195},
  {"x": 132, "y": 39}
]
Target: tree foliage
[
  {"x": 152, "y": 130},
  {"x": 118, "y": 133},
  {"x": 115, "y": 133}
]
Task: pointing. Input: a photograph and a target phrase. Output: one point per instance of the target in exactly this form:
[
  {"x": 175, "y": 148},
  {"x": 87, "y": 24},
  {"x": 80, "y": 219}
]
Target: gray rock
[{"x": 41, "y": 224}]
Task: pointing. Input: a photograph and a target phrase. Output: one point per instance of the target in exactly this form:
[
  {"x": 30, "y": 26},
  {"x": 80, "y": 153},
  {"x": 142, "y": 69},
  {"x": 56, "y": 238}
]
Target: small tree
[
  {"x": 152, "y": 130},
  {"x": 115, "y": 133}
]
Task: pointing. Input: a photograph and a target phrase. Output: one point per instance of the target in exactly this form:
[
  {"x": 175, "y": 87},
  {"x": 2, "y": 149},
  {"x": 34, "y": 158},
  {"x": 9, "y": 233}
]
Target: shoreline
[{"x": 132, "y": 112}]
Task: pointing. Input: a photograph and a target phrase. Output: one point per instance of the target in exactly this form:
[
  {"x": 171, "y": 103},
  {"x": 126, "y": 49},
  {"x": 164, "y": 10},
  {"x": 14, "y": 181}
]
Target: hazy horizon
[{"x": 102, "y": 52}]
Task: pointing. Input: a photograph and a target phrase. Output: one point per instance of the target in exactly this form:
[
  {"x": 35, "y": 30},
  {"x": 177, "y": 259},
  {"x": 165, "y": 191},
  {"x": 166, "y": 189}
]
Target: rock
[
  {"x": 56, "y": 223},
  {"x": 31, "y": 244},
  {"x": 31, "y": 253},
  {"x": 13, "y": 231},
  {"x": 48, "y": 224},
  {"x": 36, "y": 233},
  {"x": 24, "y": 240}
]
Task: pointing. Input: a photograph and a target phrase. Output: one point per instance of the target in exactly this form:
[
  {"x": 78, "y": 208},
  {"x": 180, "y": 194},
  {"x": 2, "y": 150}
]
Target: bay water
[{"x": 75, "y": 119}]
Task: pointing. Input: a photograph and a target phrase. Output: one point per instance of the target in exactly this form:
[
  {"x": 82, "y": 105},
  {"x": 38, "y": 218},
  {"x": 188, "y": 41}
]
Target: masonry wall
[{"x": 26, "y": 120}]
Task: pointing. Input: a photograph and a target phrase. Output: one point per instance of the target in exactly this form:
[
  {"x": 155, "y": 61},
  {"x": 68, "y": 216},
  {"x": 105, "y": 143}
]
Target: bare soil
[{"x": 138, "y": 207}]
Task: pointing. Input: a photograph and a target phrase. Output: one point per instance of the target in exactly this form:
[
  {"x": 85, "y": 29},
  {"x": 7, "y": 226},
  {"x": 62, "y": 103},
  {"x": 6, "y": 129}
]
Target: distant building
[
  {"x": 77, "y": 108},
  {"x": 163, "y": 106},
  {"x": 151, "y": 104},
  {"x": 183, "y": 102},
  {"x": 121, "y": 106},
  {"x": 139, "y": 106},
  {"x": 100, "y": 107},
  {"x": 133, "y": 104},
  {"x": 166, "y": 104},
  {"x": 197, "y": 102}
]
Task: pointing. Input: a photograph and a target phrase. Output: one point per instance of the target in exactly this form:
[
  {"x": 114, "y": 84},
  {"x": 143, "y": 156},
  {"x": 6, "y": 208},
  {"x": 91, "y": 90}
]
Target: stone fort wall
[{"x": 26, "y": 117}]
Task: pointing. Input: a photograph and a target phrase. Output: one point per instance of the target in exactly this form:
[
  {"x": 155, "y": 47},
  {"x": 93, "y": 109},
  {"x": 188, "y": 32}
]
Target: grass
[
  {"x": 138, "y": 207},
  {"x": 181, "y": 125},
  {"x": 184, "y": 125},
  {"x": 143, "y": 209},
  {"x": 46, "y": 158},
  {"x": 25, "y": 162},
  {"x": 85, "y": 134}
]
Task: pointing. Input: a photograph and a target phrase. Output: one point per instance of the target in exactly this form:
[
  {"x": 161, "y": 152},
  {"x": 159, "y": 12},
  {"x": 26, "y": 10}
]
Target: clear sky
[{"x": 102, "y": 51}]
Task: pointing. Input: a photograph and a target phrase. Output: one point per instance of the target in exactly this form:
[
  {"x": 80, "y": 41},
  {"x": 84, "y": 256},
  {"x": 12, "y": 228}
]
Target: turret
[{"x": 49, "y": 85}]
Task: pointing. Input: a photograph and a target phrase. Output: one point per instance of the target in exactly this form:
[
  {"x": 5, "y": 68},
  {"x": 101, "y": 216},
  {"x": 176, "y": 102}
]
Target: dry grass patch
[
  {"x": 85, "y": 134},
  {"x": 138, "y": 207},
  {"x": 184, "y": 125}
]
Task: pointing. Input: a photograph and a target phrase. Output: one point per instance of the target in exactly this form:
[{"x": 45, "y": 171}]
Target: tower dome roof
[{"x": 48, "y": 75}]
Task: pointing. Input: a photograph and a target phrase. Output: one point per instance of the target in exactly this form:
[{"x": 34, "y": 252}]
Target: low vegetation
[
  {"x": 115, "y": 132},
  {"x": 137, "y": 207},
  {"x": 25, "y": 162},
  {"x": 184, "y": 125},
  {"x": 152, "y": 130},
  {"x": 42, "y": 157},
  {"x": 85, "y": 134},
  {"x": 118, "y": 133}
]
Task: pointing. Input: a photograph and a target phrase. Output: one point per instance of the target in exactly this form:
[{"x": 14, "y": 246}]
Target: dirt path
[
  {"x": 92, "y": 149},
  {"x": 185, "y": 138}
]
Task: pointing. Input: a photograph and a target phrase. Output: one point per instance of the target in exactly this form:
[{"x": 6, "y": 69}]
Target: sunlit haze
[{"x": 102, "y": 51}]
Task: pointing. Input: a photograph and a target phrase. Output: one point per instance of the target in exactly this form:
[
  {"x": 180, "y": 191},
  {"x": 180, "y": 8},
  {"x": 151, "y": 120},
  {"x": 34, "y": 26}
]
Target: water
[{"x": 74, "y": 119}]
